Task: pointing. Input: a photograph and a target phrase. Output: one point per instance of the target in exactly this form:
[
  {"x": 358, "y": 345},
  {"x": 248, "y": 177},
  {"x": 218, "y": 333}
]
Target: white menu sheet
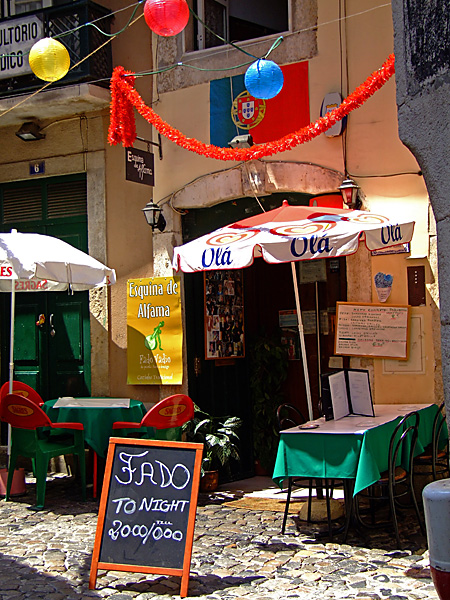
[
  {"x": 69, "y": 402},
  {"x": 360, "y": 397},
  {"x": 339, "y": 397}
]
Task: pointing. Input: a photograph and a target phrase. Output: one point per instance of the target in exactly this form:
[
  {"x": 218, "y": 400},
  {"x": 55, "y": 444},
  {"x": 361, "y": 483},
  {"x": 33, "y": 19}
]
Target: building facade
[{"x": 193, "y": 81}]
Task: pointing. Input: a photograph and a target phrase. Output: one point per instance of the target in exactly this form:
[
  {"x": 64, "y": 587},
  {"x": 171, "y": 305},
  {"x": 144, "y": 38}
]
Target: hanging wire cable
[
  {"x": 181, "y": 64},
  {"x": 344, "y": 73},
  {"x": 219, "y": 37},
  {"x": 71, "y": 68},
  {"x": 248, "y": 43},
  {"x": 92, "y": 24}
]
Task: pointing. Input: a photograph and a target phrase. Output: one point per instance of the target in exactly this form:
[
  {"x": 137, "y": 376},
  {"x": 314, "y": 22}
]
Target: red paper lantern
[{"x": 166, "y": 17}]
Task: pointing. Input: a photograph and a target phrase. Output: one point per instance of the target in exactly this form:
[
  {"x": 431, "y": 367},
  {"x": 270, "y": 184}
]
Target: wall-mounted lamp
[
  {"x": 241, "y": 141},
  {"x": 30, "y": 132},
  {"x": 349, "y": 190},
  {"x": 154, "y": 216}
]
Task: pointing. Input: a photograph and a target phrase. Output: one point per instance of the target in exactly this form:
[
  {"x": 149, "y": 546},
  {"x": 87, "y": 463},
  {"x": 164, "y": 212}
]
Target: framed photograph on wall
[{"x": 224, "y": 314}]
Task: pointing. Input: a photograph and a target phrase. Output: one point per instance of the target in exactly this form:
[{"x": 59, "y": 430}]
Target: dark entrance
[
  {"x": 222, "y": 387},
  {"x": 52, "y": 357}
]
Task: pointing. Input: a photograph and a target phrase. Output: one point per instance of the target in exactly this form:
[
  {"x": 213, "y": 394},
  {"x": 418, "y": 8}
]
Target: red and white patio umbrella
[
  {"x": 31, "y": 262},
  {"x": 291, "y": 234}
]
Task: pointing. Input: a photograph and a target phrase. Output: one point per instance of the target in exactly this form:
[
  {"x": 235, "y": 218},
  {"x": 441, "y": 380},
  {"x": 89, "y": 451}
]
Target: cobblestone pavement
[{"x": 237, "y": 553}]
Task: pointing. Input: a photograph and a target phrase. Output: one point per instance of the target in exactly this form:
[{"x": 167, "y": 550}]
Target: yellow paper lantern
[{"x": 49, "y": 59}]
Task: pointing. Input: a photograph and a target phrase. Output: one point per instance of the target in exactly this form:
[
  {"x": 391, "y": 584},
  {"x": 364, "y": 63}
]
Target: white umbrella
[
  {"x": 31, "y": 262},
  {"x": 290, "y": 234}
]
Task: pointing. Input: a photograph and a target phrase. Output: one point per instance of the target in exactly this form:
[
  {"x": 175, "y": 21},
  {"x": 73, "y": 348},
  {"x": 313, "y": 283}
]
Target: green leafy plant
[
  {"x": 269, "y": 367},
  {"x": 219, "y": 436}
]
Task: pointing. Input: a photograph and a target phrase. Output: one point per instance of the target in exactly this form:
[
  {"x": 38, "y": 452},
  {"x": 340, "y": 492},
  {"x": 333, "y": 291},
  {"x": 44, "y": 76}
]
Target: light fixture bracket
[
  {"x": 241, "y": 141},
  {"x": 30, "y": 132}
]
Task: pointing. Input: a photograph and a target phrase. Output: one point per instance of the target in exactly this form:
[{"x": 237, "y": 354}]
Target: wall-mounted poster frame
[
  {"x": 224, "y": 314},
  {"x": 374, "y": 330}
]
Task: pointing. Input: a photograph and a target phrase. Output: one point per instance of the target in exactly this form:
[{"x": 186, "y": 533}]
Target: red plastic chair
[
  {"x": 22, "y": 389},
  {"x": 169, "y": 413},
  {"x": 26, "y": 419}
]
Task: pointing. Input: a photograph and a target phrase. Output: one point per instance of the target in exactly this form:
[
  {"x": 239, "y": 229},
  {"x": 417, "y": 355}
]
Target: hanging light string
[
  {"x": 124, "y": 97},
  {"x": 179, "y": 64},
  {"x": 71, "y": 68},
  {"x": 92, "y": 24},
  {"x": 216, "y": 50}
]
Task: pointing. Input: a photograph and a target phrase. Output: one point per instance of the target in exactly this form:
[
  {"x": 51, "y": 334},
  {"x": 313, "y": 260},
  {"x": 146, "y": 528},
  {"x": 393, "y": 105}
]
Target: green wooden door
[{"x": 51, "y": 353}]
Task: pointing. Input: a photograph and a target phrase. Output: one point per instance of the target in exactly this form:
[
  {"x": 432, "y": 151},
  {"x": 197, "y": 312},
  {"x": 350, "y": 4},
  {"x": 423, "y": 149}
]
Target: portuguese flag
[{"x": 234, "y": 112}]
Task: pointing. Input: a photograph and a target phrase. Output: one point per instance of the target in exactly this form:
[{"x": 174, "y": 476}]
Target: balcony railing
[{"x": 79, "y": 43}]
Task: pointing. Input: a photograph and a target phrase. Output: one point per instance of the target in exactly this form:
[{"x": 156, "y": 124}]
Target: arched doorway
[{"x": 223, "y": 387}]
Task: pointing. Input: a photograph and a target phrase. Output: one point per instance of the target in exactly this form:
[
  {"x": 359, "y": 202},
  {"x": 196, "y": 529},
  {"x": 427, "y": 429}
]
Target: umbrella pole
[
  {"x": 11, "y": 356},
  {"x": 302, "y": 341}
]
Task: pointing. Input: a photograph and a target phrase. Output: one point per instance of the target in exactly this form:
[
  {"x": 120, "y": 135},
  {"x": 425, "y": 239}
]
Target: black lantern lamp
[
  {"x": 349, "y": 190},
  {"x": 154, "y": 216}
]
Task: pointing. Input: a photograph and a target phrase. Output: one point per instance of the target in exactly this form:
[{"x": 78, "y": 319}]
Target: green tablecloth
[
  {"x": 97, "y": 421},
  {"x": 359, "y": 456}
]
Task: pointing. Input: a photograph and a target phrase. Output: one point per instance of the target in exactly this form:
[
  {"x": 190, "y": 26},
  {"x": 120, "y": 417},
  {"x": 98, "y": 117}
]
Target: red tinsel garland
[{"x": 122, "y": 127}]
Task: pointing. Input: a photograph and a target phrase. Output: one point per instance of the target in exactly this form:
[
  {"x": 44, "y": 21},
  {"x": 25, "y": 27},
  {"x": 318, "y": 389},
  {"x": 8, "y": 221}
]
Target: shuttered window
[
  {"x": 66, "y": 199},
  {"x": 22, "y": 204},
  {"x": 53, "y": 200}
]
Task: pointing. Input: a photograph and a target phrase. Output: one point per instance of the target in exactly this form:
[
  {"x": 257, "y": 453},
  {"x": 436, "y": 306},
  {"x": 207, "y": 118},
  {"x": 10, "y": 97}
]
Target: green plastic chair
[{"x": 29, "y": 440}]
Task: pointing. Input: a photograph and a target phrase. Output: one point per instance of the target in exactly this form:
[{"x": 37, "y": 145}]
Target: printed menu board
[{"x": 377, "y": 330}]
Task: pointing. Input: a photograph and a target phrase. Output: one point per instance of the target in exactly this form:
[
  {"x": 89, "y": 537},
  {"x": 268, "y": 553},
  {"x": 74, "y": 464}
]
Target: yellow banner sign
[{"x": 154, "y": 331}]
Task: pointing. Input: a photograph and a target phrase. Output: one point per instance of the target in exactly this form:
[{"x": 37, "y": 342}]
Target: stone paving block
[{"x": 236, "y": 554}]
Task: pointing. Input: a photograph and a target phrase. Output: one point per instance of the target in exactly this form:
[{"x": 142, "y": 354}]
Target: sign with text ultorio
[
  {"x": 147, "y": 509},
  {"x": 154, "y": 331}
]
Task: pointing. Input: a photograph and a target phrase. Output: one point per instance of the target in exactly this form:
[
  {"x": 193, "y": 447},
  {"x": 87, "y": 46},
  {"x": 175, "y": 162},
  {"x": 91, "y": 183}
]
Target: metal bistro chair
[
  {"x": 396, "y": 482},
  {"x": 22, "y": 389},
  {"x": 436, "y": 454},
  {"x": 29, "y": 440},
  {"x": 289, "y": 416}
]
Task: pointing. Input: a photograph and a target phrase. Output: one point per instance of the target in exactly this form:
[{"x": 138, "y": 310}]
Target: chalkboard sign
[{"x": 147, "y": 508}]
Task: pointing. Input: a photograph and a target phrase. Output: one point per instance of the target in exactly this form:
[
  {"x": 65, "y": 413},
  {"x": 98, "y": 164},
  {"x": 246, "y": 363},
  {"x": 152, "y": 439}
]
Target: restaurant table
[
  {"x": 353, "y": 448},
  {"x": 97, "y": 420}
]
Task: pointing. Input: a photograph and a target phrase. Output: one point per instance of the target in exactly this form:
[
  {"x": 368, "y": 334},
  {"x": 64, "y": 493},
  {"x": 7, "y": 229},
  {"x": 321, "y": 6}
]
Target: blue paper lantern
[{"x": 264, "y": 79}]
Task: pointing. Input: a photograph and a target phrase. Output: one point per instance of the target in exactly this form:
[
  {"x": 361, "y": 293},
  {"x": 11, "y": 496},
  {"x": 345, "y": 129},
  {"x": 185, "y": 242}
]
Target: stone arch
[{"x": 259, "y": 178}]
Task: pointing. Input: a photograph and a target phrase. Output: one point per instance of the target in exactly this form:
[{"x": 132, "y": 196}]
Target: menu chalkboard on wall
[{"x": 147, "y": 509}]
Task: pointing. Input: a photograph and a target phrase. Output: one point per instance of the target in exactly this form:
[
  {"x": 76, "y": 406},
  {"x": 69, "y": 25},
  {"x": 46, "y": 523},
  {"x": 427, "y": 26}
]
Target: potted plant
[
  {"x": 219, "y": 437},
  {"x": 268, "y": 372}
]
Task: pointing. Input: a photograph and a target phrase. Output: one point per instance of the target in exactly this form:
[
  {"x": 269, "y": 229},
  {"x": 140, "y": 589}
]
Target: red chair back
[
  {"x": 173, "y": 411},
  {"x": 23, "y": 390},
  {"x": 22, "y": 413}
]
